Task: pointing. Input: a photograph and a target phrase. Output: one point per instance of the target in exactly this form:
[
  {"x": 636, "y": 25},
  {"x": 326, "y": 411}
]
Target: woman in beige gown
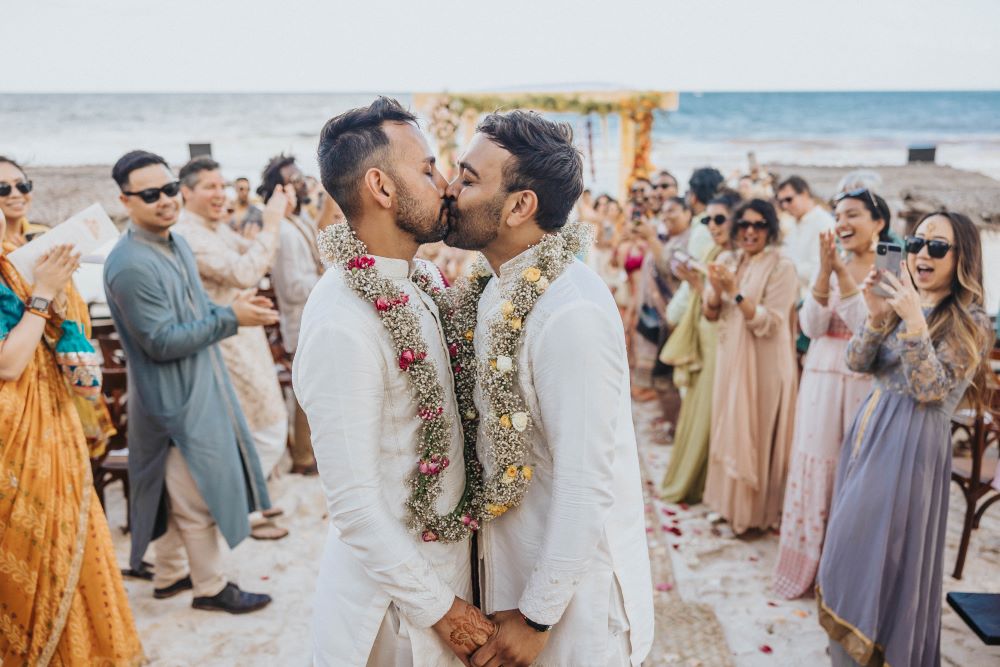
[{"x": 752, "y": 294}]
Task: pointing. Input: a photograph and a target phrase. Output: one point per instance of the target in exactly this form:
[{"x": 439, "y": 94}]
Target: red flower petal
[{"x": 764, "y": 648}]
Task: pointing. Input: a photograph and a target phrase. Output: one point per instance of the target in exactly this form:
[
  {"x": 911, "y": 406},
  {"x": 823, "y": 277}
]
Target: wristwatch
[
  {"x": 738, "y": 299},
  {"x": 37, "y": 304},
  {"x": 537, "y": 627}
]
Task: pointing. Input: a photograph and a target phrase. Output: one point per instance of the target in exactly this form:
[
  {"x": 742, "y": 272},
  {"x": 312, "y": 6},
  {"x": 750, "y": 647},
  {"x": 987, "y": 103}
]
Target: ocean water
[{"x": 714, "y": 128}]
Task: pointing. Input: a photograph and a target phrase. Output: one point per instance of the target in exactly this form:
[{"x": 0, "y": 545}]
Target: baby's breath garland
[
  {"x": 508, "y": 420},
  {"x": 339, "y": 244}
]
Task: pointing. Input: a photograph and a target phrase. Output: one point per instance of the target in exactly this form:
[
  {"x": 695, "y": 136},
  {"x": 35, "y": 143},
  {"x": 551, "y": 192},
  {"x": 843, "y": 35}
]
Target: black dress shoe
[
  {"x": 232, "y": 600},
  {"x": 173, "y": 589}
]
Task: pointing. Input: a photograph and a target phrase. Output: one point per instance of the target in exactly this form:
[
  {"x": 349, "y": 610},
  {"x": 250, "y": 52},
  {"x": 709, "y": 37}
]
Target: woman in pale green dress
[{"x": 691, "y": 351}]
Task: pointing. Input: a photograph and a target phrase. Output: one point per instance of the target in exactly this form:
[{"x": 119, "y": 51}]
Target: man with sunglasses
[
  {"x": 193, "y": 468},
  {"x": 802, "y": 239}
]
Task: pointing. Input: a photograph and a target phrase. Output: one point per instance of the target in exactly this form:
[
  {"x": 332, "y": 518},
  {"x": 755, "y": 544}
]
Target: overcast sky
[{"x": 427, "y": 45}]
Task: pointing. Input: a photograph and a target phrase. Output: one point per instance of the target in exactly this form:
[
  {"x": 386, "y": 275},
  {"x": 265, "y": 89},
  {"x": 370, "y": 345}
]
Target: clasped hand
[
  {"x": 903, "y": 298},
  {"x": 514, "y": 644}
]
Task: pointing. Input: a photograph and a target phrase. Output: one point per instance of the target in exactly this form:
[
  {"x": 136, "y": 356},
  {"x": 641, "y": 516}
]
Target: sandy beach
[{"x": 713, "y": 599}]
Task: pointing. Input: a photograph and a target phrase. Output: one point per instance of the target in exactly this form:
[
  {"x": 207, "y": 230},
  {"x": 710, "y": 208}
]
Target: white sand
[{"x": 732, "y": 575}]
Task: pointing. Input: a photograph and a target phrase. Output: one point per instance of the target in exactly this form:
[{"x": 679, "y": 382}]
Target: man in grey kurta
[{"x": 193, "y": 469}]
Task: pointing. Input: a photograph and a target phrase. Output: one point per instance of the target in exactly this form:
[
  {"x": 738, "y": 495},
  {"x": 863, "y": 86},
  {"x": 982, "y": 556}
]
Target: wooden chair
[
  {"x": 112, "y": 466},
  {"x": 974, "y": 475}
]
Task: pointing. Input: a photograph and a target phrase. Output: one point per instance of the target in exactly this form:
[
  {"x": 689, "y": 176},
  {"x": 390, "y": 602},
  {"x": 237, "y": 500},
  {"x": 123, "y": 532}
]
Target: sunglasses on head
[
  {"x": 759, "y": 225},
  {"x": 24, "y": 187},
  {"x": 718, "y": 219},
  {"x": 152, "y": 195},
  {"x": 935, "y": 248},
  {"x": 857, "y": 193}
]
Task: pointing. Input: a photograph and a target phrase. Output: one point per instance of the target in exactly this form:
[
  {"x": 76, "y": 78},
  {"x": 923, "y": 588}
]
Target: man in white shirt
[
  {"x": 297, "y": 268},
  {"x": 565, "y": 573},
  {"x": 801, "y": 242},
  {"x": 386, "y": 596}
]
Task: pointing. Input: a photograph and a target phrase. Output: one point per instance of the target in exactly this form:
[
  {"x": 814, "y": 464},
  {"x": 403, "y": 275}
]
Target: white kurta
[
  {"x": 364, "y": 431},
  {"x": 801, "y": 242},
  {"x": 574, "y": 553}
]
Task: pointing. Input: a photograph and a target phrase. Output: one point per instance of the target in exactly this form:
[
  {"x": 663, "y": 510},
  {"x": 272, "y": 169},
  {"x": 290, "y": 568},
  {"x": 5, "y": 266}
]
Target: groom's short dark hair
[
  {"x": 352, "y": 143},
  {"x": 543, "y": 160}
]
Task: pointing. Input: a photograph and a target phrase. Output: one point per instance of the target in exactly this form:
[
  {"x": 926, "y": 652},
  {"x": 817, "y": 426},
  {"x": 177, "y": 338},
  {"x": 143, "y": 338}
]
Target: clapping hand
[
  {"x": 280, "y": 205},
  {"x": 829, "y": 257},
  {"x": 904, "y": 298},
  {"x": 721, "y": 278},
  {"x": 254, "y": 311},
  {"x": 53, "y": 271}
]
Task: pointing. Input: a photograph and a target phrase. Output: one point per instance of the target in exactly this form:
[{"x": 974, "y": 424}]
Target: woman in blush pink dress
[{"x": 829, "y": 393}]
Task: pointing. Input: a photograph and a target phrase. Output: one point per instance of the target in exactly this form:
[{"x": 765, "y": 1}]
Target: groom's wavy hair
[
  {"x": 542, "y": 159},
  {"x": 352, "y": 143}
]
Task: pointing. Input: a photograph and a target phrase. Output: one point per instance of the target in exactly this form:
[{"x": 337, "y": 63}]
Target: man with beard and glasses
[
  {"x": 565, "y": 573},
  {"x": 391, "y": 591}
]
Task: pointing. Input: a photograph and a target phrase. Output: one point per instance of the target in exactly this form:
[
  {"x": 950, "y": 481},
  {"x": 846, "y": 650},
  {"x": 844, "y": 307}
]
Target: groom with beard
[
  {"x": 565, "y": 574},
  {"x": 387, "y": 595}
]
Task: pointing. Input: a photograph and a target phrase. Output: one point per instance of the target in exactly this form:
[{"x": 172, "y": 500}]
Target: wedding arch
[{"x": 450, "y": 114}]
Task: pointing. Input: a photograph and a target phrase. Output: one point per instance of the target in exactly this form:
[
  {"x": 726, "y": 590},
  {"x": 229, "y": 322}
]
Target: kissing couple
[{"x": 475, "y": 442}]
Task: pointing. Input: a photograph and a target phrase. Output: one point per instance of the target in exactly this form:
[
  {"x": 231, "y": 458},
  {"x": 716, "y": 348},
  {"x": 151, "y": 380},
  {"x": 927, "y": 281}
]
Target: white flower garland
[
  {"x": 509, "y": 421},
  {"x": 339, "y": 244}
]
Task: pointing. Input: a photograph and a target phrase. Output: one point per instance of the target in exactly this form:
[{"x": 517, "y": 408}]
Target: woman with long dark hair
[
  {"x": 752, "y": 293},
  {"x": 880, "y": 576}
]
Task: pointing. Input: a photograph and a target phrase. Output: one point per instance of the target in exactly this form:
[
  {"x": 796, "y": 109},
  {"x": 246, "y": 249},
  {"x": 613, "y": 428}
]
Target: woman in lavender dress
[{"x": 880, "y": 576}]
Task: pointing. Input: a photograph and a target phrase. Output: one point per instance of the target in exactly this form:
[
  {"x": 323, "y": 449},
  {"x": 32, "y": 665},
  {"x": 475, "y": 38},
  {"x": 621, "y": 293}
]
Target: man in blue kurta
[{"x": 193, "y": 469}]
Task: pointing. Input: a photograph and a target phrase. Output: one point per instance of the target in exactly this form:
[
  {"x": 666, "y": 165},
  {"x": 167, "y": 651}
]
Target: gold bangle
[
  {"x": 44, "y": 316},
  {"x": 848, "y": 295},
  {"x": 820, "y": 295}
]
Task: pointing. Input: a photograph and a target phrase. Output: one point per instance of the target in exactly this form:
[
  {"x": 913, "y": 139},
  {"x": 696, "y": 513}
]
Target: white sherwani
[
  {"x": 574, "y": 553},
  {"x": 364, "y": 431}
]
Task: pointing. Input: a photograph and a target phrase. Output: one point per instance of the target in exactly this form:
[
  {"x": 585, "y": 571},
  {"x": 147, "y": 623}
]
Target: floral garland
[
  {"x": 509, "y": 420},
  {"x": 339, "y": 244}
]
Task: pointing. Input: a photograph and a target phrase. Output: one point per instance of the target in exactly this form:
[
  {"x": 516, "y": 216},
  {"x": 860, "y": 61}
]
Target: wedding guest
[
  {"x": 751, "y": 293},
  {"x": 193, "y": 468},
  {"x": 691, "y": 351},
  {"x": 51, "y": 511},
  {"x": 666, "y": 184},
  {"x": 229, "y": 266},
  {"x": 795, "y": 197},
  {"x": 830, "y": 394},
  {"x": 657, "y": 287},
  {"x": 297, "y": 268},
  {"x": 15, "y": 202},
  {"x": 248, "y": 217},
  {"x": 880, "y": 576},
  {"x": 702, "y": 188}
]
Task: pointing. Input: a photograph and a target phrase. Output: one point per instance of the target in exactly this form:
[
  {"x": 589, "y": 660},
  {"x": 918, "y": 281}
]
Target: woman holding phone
[
  {"x": 752, "y": 294},
  {"x": 830, "y": 394},
  {"x": 62, "y": 594},
  {"x": 880, "y": 575},
  {"x": 691, "y": 351}
]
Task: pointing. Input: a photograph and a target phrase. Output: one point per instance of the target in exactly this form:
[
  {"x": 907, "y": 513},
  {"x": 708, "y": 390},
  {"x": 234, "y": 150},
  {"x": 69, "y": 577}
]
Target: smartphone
[
  {"x": 887, "y": 259},
  {"x": 681, "y": 257}
]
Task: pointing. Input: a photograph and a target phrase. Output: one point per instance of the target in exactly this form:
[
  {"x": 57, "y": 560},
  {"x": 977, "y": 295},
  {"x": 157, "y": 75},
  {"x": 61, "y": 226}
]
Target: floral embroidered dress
[
  {"x": 61, "y": 596},
  {"x": 830, "y": 395},
  {"x": 880, "y": 576}
]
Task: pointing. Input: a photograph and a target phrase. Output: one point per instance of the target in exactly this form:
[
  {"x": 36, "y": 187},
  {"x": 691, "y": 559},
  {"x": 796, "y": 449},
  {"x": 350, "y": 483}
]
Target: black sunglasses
[
  {"x": 935, "y": 248},
  {"x": 665, "y": 186},
  {"x": 759, "y": 225},
  {"x": 152, "y": 195},
  {"x": 24, "y": 187},
  {"x": 857, "y": 194},
  {"x": 784, "y": 201},
  {"x": 718, "y": 219}
]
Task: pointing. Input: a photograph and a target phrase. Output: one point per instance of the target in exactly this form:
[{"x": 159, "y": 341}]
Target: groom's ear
[
  {"x": 380, "y": 187},
  {"x": 525, "y": 206}
]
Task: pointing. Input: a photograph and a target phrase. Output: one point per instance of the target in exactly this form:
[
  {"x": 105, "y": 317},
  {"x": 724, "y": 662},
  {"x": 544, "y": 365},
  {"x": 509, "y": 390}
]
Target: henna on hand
[{"x": 472, "y": 627}]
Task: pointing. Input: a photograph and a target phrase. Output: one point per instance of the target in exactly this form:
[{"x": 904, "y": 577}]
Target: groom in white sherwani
[
  {"x": 564, "y": 565},
  {"x": 373, "y": 375}
]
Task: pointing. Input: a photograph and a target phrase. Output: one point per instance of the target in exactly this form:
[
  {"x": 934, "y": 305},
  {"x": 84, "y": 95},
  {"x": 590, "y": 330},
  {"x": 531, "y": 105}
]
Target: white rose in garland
[{"x": 339, "y": 244}]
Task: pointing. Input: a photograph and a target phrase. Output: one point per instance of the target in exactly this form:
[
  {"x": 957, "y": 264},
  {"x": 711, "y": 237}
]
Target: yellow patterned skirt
[{"x": 62, "y": 601}]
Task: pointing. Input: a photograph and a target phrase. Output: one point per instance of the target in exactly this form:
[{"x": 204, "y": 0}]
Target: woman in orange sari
[{"x": 62, "y": 601}]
